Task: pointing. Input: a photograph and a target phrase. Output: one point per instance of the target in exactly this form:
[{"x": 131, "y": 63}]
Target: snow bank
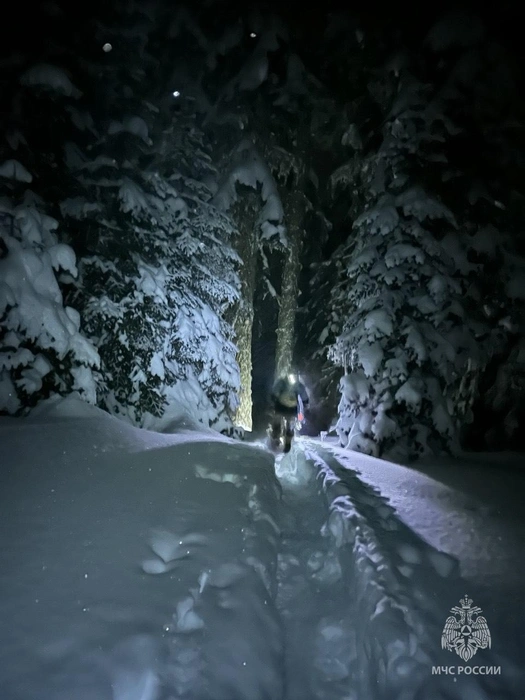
[
  {"x": 400, "y": 590},
  {"x": 135, "y": 565}
]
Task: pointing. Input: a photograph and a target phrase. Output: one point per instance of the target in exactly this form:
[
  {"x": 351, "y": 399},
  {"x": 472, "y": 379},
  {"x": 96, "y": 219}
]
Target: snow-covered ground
[
  {"x": 471, "y": 508},
  {"x": 143, "y": 566},
  {"x": 421, "y": 539}
]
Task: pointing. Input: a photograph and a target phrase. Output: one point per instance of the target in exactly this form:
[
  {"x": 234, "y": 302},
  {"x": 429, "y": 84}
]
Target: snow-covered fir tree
[
  {"x": 421, "y": 191},
  {"x": 404, "y": 336},
  {"x": 44, "y": 351},
  {"x": 157, "y": 271},
  {"x": 107, "y": 166}
]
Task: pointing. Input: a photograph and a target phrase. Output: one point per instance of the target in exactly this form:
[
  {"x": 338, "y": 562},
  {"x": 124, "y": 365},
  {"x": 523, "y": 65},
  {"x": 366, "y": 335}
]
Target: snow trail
[
  {"x": 318, "y": 637},
  {"x": 362, "y": 597}
]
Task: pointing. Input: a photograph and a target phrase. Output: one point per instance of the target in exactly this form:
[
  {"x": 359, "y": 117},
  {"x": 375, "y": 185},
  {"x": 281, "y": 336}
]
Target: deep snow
[
  {"x": 470, "y": 508},
  {"x": 144, "y": 566},
  {"x": 129, "y": 566}
]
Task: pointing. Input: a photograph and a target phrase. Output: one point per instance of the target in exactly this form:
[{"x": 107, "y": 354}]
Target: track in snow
[
  {"x": 362, "y": 598},
  {"x": 319, "y": 639}
]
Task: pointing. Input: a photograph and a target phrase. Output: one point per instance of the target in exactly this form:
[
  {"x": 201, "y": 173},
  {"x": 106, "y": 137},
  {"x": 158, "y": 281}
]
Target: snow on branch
[
  {"x": 249, "y": 169},
  {"x": 48, "y": 76},
  {"x": 133, "y": 125},
  {"x": 14, "y": 170}
]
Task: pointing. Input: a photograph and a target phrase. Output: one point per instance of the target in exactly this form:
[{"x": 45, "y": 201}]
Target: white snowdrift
[{"x": 134, "y": 565}]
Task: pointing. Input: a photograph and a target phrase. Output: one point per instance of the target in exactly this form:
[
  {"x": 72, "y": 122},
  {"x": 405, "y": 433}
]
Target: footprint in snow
[{"x": 170, "y": 548}]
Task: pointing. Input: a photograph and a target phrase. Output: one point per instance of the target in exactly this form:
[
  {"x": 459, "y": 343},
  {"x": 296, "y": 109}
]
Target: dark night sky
[{"x": 505, "y": 20}]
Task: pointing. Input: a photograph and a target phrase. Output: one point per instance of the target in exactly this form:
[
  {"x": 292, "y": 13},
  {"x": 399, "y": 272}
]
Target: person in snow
[{"x": 289, "y": 398}]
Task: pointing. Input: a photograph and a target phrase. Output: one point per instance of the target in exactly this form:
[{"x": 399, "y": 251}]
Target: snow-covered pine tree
[
  {"x": 156, "y": 269},
  {"x": 405, "y": 337},
  {"x": 43, "y": 351},
  {"x": 211, "y": 285}
]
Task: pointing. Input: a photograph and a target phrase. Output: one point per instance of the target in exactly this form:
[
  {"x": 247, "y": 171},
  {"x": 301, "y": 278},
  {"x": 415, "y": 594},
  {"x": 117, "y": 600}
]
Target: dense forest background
[{"x": 196, "y": 198}]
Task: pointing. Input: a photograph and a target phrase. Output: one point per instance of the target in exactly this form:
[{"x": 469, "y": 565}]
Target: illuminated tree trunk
[
  {"x": 245, "y": 215},
  {"x": 243, "y": 326},
  {"x": 294, "y": 217}
]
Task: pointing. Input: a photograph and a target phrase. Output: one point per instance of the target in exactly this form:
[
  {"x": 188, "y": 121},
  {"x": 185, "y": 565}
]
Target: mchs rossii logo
[{"x": 466, "y": 630}]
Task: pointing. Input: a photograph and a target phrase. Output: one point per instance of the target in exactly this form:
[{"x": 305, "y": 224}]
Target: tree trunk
[
  {"x": 245, "y": 215},
  {"x": 243, "y": 329},
  {"x": 294, "y": 215}
]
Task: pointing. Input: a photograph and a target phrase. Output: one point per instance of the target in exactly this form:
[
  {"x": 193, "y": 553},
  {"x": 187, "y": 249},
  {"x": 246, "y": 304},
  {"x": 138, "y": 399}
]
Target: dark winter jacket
[{"x": 285, "y": 393}]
